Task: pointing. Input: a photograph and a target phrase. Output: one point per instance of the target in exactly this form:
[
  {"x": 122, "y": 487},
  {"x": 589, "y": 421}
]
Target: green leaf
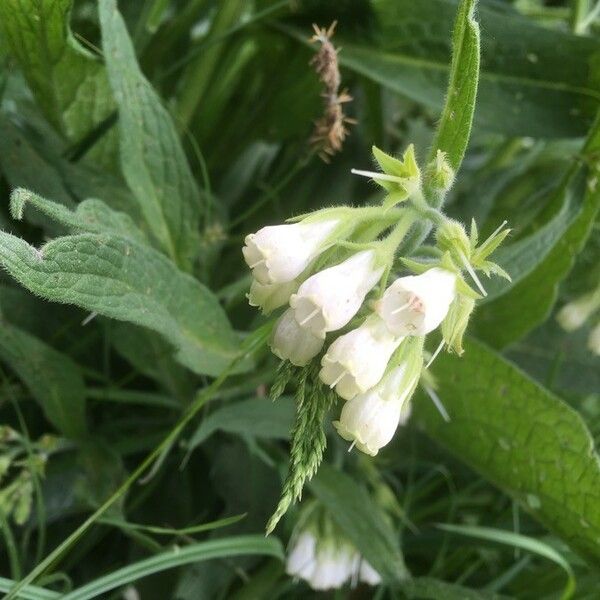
[
  {"x": 68, "y": 82},
  {"x": 361, "y": 519},
  {"x": 522, "y": 438},
  {"x": 53, "y": 379},
  {"x": 516, "y": 540},
  {"x": 30, "y": 592},
  {"x": 152, "y": 158},
  {"x": 258, "y": 417},
  {"x": 530, "y": 301},
  {"x": 122, "y": 279},
  {"x": 454, "y": 128},
  {"x": 534, "y": 81}
]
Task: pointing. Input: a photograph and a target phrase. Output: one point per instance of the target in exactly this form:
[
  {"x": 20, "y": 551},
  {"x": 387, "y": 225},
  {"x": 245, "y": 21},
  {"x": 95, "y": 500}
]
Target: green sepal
[{"x": 456, "y": 322}]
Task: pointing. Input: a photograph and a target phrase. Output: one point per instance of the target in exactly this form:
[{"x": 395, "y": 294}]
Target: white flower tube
[
  {"x": 271, "y": 296},
  {"x": 574, "y": 314},
  {"x": 330, "y": 298},
  {"x": 301, "y": 561},
  {"x": 279, "y": 253},
  {"x": 294, "y": 343},
  {"x": 357, "y": 360},
  {"x": 370, "y": 420},
  {"x": 417, "y": 304},
  {"x": 594, "y": 340},
  {"x": 323, "y": 565}
]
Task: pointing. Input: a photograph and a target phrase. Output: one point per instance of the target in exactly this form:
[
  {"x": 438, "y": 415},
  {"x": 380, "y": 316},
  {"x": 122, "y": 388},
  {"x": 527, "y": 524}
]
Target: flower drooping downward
[
  {"x": 357, "y": 360},
  {"x": 330, "y": 298},
  {"x": 417, "y": 304},
  {"x": 279, "y": 253},
  {"x": 292, "y": 342},
  {"x": 370, "y": 420}
]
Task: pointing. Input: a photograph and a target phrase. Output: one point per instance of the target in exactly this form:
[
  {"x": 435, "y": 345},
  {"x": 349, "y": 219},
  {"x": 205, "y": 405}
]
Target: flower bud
[
  {"x": 439, "y": 174},
  {"x": 456, "y": 322},
  {"x": 357, "y": 360},
  {"x": 594, "y": 340},
  {"x": 417, "y": 304},
  {"x": 279, "y": 253},
  {"x": 370, "y": 420},
  {"x": 451, "y": 237},
  {"x": 330, "y": 298},
  {"x": 271, "y": 296},
  {"x": 294, "y": 343},
  {"x": 574, "y": 314}
]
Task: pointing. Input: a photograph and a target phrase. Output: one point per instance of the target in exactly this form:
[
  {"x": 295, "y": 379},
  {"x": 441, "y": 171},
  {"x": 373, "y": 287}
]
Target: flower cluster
[
  {"x": 326, "y": 265},
  {"x": 576, "y": 313},
  {"x": 327, "y": 562}
]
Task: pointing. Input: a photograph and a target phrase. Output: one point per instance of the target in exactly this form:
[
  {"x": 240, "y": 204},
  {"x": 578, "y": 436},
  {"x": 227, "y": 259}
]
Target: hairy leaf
[
  {"x": 122, "y": 279},
  {"x": 522, "y": 438},
  {"x": 454, "y": 129},
  {"x": 152, "y": 157}
]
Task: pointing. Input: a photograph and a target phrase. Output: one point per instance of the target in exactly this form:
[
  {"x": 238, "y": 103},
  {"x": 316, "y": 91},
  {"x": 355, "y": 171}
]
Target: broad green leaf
[
  {"x": 122, "y": 279},
  {"x": 454, "y": 129},
  {"x": 534, "y": 81},
  {"x": 361, "y": 519},
  {"x": 53, "y": 379},
  {"x": 68, "y": 82},
  {"x": 522, "y": 438},
  {"x": 256, "y": 417},
  {"x": 152, "y": 158}
]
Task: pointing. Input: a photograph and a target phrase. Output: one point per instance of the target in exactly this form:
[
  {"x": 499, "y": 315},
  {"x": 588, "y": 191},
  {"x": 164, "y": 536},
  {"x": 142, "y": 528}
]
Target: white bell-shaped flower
[
  {"x": 302, "y": 557},
  {"x": 279, "y": 253},
  {"x": 594, "y": 340},
  {"x": 330, "y": 298},
  {"x": 368, "y": 574},
  {"x": 357, "y": 360},
  {"x": 271, "y": 296},
  {"x": 417, "y": 304},
  {"x": 323, "y": 565},
  {"x": 370, "y": 420},
  {"x": 294, "y": 343},
  {"x": 333, "y": 567},
  {"x": 574, "y": 314}
]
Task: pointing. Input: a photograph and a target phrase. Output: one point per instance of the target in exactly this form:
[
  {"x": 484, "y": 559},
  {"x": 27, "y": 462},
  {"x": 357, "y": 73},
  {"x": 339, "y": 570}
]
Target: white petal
[{"x": 294, "y": 343}]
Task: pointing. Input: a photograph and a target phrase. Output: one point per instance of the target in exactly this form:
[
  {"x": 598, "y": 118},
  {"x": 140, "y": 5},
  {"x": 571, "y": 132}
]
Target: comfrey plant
[
  {"x": 359, "y": 305},
  {"x": 320, "y": 554}
]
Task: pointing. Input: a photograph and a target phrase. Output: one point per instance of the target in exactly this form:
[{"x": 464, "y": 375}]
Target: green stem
[{"x": 252, "y": 343}]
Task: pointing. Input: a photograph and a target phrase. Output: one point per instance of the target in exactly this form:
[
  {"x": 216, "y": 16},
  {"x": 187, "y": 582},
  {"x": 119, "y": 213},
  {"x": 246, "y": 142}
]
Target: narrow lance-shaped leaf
[
  {"x": 454, "y": 129},
  {"x": 68, "y": 82},
  {"x": 152, "y": 158},
  {"x": 522, "y": 438},
  {"x": 53, "y": 379}
]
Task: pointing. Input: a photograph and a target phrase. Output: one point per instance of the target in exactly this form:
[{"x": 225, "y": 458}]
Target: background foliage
[{"x": 145, "y": 141}]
